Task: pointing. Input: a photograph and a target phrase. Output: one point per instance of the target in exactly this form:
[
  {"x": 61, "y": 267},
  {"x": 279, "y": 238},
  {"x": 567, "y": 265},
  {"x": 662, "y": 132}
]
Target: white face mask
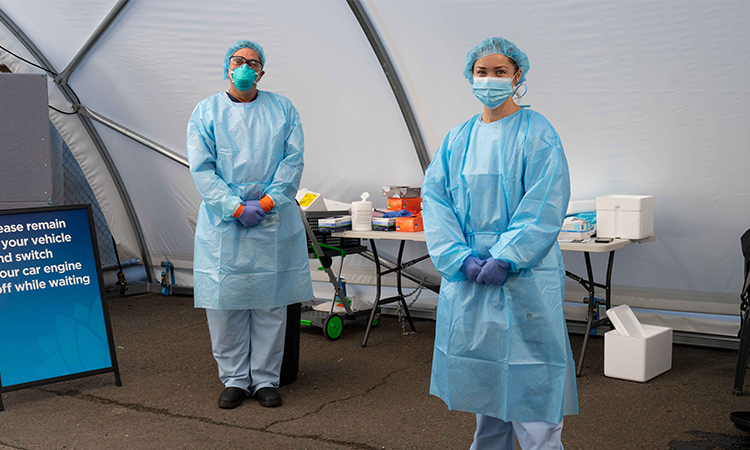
[{"x": 491, "y": 91}]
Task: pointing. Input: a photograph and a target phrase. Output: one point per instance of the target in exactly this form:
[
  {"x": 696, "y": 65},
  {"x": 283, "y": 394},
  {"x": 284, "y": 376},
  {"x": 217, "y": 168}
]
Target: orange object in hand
[
  {"x": 266, "y": 203},
  {"x": 239, "y": 211}
]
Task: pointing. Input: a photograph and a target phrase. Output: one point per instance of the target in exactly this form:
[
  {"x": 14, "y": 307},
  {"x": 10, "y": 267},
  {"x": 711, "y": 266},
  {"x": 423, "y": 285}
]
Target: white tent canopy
[{"x": 648, "y": 97}]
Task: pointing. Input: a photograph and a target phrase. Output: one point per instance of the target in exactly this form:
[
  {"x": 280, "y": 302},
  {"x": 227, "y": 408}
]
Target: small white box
[
  {"x": 625, "y": 216},
  {"x": 638, "y": 359}
]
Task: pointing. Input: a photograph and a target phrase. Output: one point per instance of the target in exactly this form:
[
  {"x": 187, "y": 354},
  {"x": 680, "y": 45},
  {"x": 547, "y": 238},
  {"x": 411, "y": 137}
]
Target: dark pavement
[{"x": 346, "y": 396}]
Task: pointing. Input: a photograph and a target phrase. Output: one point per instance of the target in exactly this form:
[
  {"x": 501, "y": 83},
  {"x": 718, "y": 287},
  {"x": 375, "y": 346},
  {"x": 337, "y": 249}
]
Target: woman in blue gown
[{"x": 495, "y": 196}]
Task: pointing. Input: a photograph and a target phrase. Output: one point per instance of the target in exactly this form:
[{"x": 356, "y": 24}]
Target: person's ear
[{"x": 260, "y": 75}]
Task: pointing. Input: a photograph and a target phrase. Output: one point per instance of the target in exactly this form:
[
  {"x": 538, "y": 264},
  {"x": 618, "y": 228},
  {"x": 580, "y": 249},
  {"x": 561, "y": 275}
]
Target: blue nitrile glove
[
  {"x": 253, "y": 214},
  {"x": 493, "y": 272},
  {"x": 402, "y": 213},
  {"x": 471, "y": 267}
]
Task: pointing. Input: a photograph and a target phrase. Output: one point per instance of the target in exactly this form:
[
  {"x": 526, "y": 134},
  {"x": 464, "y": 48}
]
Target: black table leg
[
  {"x": 608, "y": 289},
  {"x": 591, "y": 289},
  {"x": 398, "y": 285},
  {"x": 376, "y": 303}
]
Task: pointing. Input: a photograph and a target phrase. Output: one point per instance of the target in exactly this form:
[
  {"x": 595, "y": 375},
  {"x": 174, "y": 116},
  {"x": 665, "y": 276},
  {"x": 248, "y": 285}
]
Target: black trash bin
[{"x": 290, "y": 361}]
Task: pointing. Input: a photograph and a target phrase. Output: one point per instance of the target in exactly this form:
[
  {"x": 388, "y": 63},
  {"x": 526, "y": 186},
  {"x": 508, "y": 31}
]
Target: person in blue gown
[
  {"x": 245, "y": 149},
  {"x": 495, "y": 197}
]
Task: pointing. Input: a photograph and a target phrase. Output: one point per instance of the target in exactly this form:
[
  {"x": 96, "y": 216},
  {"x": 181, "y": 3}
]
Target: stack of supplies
[
  {"x": 407, "y": 202},
  {"x": 575, "y": 227}
]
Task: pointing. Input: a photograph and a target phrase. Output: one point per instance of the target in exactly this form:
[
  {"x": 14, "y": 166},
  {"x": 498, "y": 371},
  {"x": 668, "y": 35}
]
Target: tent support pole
[
  {"x": 134, "y": 136},
  {"x": 62, "y": 78},
  {"x": 94, "y": 135},
  {"x": 390, "y": 73}
]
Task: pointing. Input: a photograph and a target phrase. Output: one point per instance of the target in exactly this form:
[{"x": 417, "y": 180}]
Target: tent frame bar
[
  {"x": 94, "y": 135},
  {"x": 390, "y": 73},
  {"x": 62, "y": 78},
  {"x": 164, "y": 151}
]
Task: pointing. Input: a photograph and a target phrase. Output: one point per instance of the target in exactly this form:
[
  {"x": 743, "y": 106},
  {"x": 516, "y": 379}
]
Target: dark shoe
[
  {"x": 232, "y": 397},
  {"x": 268, "y": 397}
]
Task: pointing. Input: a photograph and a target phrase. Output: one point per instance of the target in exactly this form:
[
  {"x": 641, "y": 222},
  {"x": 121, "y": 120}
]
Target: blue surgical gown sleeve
[
  {"x": 446, "y": 241},
  {"x": 535, "y": 224},
  {"x": 201, "y": 153},
  {"x": 286, "y": 179}
]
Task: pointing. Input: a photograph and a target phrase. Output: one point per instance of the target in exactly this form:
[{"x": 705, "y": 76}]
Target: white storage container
[
  {"x": 638, "y": 359},
  {"x": 362, "y": 214},
  {"x": 625, "y": 216}
]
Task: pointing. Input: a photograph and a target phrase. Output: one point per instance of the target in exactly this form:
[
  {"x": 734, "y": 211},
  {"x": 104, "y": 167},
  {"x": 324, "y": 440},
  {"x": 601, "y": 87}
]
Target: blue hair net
[
  {"x": 496, "y": 45},
  {"x": 243, "y": 44}
]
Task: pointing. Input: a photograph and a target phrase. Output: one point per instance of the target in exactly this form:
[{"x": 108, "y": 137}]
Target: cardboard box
[
  {"x": 335, "y": 224},
  {"x": 413, "y": 223},
  {"x": 625, "y": 216},
  {"x": 402, "y": 191},
  {"x": 638, "y": 359},
  {"x": 409, "y": 204},
  {"x": 383, "y": 224}
]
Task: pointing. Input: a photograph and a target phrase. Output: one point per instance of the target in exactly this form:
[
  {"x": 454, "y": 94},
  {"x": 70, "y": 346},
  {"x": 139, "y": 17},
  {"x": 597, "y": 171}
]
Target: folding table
[
  {"x": 590, "y": 285},
  {"x": 402, "y": 236}
]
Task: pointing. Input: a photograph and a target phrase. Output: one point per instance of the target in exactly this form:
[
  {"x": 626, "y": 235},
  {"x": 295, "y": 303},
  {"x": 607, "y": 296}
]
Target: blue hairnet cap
[
  {"x": 243, "y": 44},
  {"x": 496, "y": 45}
]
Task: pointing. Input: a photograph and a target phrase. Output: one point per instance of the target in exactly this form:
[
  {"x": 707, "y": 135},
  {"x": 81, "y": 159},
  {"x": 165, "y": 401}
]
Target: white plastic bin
[
  {"x": 638, "y": 359},
  {"x": 625, "y": 216}
]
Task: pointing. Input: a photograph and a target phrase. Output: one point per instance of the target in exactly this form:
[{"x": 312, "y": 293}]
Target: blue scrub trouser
[
  {"x": 248, "y": 346},
  {"x": 496, "y": 434}
]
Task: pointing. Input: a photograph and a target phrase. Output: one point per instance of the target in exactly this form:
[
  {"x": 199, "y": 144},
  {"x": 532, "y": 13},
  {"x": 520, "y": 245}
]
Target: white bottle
[{"x": 362, "y": 214}]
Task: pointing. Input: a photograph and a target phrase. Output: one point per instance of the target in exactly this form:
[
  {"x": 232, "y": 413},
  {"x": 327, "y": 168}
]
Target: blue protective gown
[
  {"x": 239, "y": 152},
  {"x": 501, "y": 190}
]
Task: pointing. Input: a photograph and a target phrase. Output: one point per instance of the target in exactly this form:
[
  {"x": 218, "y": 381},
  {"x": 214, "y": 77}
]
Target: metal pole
[
  {"x": 134, "y": 136},
  {"x": 62, "y": 78},
  {"x": 89, "y": 127},
  {"x": 390, "y": 73}
]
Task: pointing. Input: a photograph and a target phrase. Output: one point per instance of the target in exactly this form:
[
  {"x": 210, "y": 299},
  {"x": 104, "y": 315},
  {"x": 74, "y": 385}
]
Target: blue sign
[{"x": 53, "y": 320}]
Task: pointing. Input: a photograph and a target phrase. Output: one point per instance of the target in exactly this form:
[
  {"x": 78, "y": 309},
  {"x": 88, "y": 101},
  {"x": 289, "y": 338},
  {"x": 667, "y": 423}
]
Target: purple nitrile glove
[
  {"x": 471, "y": 267},
  {"x": 493, "y": 272},
  {"x": 402, "y": 213},
  {"x": 253, "y": 214}
]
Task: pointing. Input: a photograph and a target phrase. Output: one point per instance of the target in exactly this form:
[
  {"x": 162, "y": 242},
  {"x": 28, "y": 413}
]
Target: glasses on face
[{"x": 236, "y": 61}]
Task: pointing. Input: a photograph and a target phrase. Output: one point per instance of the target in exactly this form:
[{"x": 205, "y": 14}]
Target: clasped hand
[
  {"x": 253, "y": 214},
  {"x": 485, "y": 272}
]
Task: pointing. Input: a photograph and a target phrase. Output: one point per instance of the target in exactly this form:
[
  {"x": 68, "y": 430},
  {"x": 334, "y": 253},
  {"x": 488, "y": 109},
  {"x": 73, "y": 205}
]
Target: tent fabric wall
[
  {"x": 149, "y": 77},
  {"x": 648, "y": 97},
  {"x": 88, "y": 158}
]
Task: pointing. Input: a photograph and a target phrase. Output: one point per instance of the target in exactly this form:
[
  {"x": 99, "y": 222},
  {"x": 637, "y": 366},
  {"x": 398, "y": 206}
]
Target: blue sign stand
[{"x": 54, "y": 320}]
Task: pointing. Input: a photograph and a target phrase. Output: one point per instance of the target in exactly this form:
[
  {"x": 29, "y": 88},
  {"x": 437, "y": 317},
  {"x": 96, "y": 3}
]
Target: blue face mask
[
  {"x": 244, "y": 77},
  {"x": 492, "y": 92}
]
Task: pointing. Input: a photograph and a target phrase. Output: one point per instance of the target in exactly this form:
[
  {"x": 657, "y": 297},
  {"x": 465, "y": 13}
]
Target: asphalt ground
[{"x": 346, "y": 396}]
